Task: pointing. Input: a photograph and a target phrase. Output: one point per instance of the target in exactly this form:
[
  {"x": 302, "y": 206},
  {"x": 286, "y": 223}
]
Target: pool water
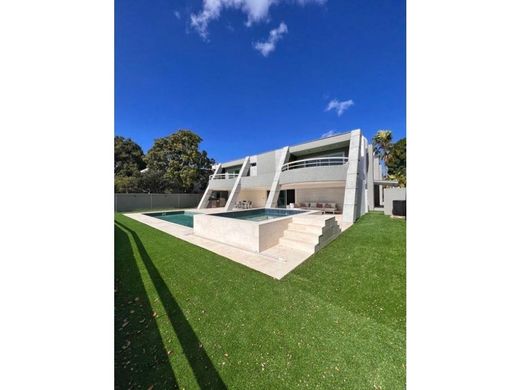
[
  {"x": 260, "y": 214},
  {"x": 184, "y": 218}
]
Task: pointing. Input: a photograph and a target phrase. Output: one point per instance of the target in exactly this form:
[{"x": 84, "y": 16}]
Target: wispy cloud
[
  {"x": 331, "y": 133},
  {"x": 274, "y": 36},
  {"x": 177, "y": 14},
  {"x": 339, "y": 106},
  {"x": 256, "y": 11}
]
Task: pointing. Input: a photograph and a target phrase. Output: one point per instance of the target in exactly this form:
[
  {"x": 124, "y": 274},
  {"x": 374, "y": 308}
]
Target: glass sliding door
[{"x": 282, "y": 199}]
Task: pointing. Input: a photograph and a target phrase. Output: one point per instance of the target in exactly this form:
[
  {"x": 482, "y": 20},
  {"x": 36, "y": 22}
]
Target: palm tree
[{"x": 383, "y": 144}]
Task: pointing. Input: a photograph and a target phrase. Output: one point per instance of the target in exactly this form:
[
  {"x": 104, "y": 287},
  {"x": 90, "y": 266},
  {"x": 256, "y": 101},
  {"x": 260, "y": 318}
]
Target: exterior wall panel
[{"x": 314, "y": 174}]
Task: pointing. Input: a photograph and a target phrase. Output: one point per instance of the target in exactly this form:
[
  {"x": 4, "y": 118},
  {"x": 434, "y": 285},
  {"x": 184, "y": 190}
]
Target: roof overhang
[
  {"x": 392, "y": 183},
  {"x": 322, "y": 144}
]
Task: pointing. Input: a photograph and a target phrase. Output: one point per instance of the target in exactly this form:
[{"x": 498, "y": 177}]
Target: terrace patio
[{"x": 276, "y": 261}]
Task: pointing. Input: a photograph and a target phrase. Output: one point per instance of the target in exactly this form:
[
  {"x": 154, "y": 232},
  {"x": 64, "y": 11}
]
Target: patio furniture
[
  {"x": 324, "y": 207},
  {"x": 330, "y": 208}
]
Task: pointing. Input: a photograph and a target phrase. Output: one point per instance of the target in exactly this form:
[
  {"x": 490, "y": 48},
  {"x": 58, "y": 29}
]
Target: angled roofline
[{"x": 345, "y": 136}]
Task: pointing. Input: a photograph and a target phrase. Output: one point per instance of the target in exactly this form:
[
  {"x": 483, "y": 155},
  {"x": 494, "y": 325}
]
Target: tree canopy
[
  {"x": 392, "y": 154},
  {"x": 396, "y": 162},
  {"x": 178, "y": 158},
  {"x": 128, "y": 157}
]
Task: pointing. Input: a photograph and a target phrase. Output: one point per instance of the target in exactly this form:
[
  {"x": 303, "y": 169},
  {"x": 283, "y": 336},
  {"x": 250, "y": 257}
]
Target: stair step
[
  {"x": 303, "y": 236},
  {"x": 312, "y": 220},
  {"x": 297, "y": 244},
  {"x": 324, "y": 240},
  {"x": 305, "y": 228}
]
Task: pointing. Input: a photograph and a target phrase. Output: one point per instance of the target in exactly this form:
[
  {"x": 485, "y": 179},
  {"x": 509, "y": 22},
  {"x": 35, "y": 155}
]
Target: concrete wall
[
  {"x": 221, "y": 184},
  {"x": 363, "y": 193},
  {"x": 320, "y": 143},
  {"x": 314, "y": 174},
  {"x": 391, "y": 194},
  {"x": 351, "y": 201},
  {"x": 266, "y": 163},
  {"x": 322, "y": 195},
  {"x": 249, "y": 235},
  {"x": 257, "y": 197},
  {"x": 264, "y": 180},
  {"x": 337, "y": 152},
  {"x": 270, "y": 232},
  {"x": 132, "y": 202}
]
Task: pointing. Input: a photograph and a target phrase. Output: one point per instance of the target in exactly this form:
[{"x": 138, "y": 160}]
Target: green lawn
[{"x": 188, "y": 318}]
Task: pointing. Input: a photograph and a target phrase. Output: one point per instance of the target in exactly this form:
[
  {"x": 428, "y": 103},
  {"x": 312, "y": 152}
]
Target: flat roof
[{"x": 318, "y": 143}]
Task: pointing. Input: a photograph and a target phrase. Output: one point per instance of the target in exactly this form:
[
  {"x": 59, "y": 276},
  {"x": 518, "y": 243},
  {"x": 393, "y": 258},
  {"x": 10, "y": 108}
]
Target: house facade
[{"x": 340, "y": 170}]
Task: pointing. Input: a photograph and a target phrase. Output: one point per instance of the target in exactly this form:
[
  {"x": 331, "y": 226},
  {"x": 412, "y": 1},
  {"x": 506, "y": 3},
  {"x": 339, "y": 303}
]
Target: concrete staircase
[{"x": 310, "y": 233}]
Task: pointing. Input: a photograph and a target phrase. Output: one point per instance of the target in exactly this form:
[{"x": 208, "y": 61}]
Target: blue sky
[{"x": 254, "y": 75}]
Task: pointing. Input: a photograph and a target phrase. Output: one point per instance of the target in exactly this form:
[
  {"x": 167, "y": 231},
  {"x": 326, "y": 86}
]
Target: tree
[
  {"x": 382, "y": 144},
  {"x": 179, "y": 159},
  {"x": 397, "y": 162},
  {"x": 128, "y": 157},
  {"x": 126, "y": 184},
  {"x": 152, "y": 181}
]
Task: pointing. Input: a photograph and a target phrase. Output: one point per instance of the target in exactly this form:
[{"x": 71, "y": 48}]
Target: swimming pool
[
  {"x": 184, "y": 218},
  {"x": 258, "y": 215}
]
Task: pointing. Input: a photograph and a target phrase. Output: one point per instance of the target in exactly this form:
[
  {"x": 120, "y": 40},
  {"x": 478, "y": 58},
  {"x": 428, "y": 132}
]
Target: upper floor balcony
[
  {"x": 315, "y": 162},
  {"x": 222, "y": 181},
  {"x": 224, "y": 176},
  {"x": 314, "y": 170}
]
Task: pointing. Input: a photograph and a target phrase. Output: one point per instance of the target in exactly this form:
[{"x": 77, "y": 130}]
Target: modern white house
[
  {"x": 340, "y": 172},
  {"x": 299, "y": 199}
]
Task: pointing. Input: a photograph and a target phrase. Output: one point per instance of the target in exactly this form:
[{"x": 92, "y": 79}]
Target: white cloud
[
  {"x": 177, "y": 14},
  {"x": 256, "y": 11},
  {"x": 331, "y": 133},
  {"x": 340, "y": 107},
  {"x": 274, "y": 36}
]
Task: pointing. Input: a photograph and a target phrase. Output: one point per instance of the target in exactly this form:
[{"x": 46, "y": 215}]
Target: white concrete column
[
  {"x": 370, "y": 177},
  {"x": 233, "y": 195},
  {"x": 283, "y": 155},
  {"x": 207, "y": 193},
  {"x": 377, "y": 169},
  {"x": 363, "y": 177},
  {"x": 351, "y": 200}
]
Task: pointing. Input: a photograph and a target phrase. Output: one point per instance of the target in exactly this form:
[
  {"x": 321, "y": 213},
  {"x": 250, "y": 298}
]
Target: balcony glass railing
[
  {"x": 224, "y": 176},
  {"x": 315, "y": 162}
]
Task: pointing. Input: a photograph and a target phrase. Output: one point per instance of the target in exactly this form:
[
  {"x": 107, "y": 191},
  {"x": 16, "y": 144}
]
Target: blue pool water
[
  {"x": 260, "y": 214},
  {"x": 184, "y": 218}
]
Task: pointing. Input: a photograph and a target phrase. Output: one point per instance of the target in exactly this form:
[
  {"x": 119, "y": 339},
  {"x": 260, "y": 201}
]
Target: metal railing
[
  {"x": 219, "y": 176},
  {"x": 315, "y": 162}
]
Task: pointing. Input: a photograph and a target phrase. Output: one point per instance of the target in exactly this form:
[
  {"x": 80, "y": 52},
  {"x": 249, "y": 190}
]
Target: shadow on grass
[
  {"x": 206, "y": 374},
  {"x": 140, "y": 357}
]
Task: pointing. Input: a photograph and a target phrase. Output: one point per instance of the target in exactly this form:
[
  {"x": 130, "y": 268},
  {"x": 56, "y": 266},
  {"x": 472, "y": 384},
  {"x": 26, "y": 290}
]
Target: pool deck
[{"x": 276, "y": 261}]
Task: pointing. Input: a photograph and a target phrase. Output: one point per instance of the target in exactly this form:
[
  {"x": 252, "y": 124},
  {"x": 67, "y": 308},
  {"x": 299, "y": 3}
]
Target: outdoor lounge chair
[{"x": 330, "y": 208}]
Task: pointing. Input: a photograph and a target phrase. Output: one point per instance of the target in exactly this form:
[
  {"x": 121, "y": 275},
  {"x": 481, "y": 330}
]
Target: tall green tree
[
  {"x": 382, "y": 144},
  {"x": 396, "y": 162},
  {"x": 126, "y": 184},
  {"x": 128, "y": 157},
  {"x": 179, "y": 159},
  {"x": 152, "y": 181}
]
